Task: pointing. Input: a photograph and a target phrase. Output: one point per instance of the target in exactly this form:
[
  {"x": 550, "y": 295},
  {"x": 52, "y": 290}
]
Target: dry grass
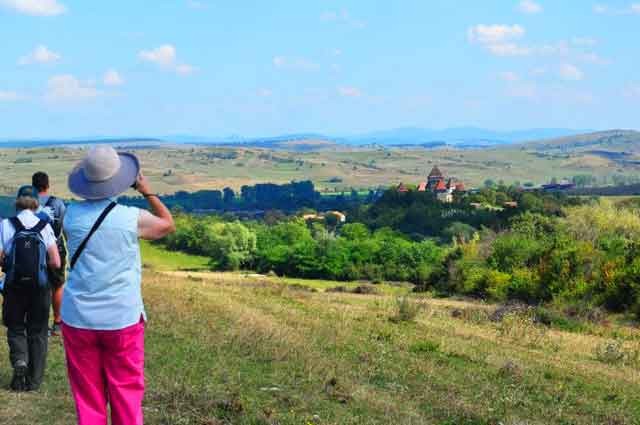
[
  {"x": 196, "y": 168},
  {"x": 226, "y": 349}
]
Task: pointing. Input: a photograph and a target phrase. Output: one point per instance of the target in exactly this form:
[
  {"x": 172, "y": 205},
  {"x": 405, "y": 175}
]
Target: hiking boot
[
  {"x": 19, "y": 381},
  {"x": 55, "y": 329},
  {"x": 30, "y": 386}
]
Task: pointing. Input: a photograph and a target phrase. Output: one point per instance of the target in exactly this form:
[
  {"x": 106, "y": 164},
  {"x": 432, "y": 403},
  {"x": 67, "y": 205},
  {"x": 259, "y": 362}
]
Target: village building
[
  {"x": 437, "y": 183},
  {"x": 340, "y": 217}
]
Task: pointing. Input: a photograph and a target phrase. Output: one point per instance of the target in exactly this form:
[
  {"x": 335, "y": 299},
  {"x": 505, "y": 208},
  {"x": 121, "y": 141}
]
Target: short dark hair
[{"x": 40, "y": 180}]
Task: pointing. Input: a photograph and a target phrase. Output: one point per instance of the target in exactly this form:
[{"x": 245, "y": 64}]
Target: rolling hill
[{"x": 619, "y": 141}]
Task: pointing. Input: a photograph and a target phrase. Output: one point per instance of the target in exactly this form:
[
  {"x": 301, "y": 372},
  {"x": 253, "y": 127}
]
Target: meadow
[
  {"x": 333, "y": 167},
  {"x": 240, "y": 348}
]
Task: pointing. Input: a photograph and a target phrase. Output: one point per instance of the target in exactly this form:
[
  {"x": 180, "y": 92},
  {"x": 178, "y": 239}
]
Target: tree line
[{"x": 288, "y": 197}]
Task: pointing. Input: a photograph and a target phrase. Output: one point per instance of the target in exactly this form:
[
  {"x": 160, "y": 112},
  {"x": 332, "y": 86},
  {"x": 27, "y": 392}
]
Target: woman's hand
[
  {"x": 159, "y": 222},
  {"x": 142, "y": 185}
]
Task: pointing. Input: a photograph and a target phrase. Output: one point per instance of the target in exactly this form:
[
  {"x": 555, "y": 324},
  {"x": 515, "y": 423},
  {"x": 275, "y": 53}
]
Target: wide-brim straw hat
[{"x": 104, "y": 173}]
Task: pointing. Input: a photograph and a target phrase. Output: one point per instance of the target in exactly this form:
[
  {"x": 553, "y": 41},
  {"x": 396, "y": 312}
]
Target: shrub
[
  {"x": 424, "y": 347},
  {"x": 521, "y": 328},
  {"x": 497, "y": 284},
  {"x": 406, "y": 310},
  {"x": 610, "y": 352}
]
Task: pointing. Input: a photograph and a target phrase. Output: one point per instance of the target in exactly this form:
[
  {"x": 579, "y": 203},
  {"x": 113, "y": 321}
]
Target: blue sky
[{"x": 76, "y": 68}]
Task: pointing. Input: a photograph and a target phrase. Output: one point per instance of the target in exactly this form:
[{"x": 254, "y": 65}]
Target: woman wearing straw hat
[{"x": 102, "y": 310}]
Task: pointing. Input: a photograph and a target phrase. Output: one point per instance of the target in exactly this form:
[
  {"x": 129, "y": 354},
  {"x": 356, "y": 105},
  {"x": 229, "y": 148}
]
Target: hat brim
[{"x": 119, "y": 183}]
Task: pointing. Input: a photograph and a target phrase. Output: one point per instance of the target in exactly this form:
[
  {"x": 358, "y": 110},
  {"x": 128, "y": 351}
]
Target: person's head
[
  {"x": 104, "y": 173},
  {"x": 41, "y": 181},
  {"x": 27, "y": 198}
]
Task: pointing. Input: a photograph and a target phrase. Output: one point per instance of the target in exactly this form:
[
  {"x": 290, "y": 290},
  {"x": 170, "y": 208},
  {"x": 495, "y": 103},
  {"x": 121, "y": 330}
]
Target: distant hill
[
  {"x": 41, "y": 143},
  {"x": 614, "y": 141},
  {"x": 458, "y": 136},
  {"x": 604, "y": 143}
]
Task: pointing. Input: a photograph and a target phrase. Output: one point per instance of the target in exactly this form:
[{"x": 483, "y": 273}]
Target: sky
[{"x": 78, "y": 68}]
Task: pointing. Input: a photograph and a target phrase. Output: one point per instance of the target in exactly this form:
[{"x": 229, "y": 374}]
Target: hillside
[
  {"x": 457, "y": 136},
  {"x": 612, "y": 140},
  {"x": 607, "y": 157},
  {"x": 243, "y": 349}
]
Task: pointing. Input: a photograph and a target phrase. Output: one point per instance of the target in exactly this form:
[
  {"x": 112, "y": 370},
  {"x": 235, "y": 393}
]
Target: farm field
[
  {"x": 230, "y": 348},
  {"x": 331, "y": 167}
]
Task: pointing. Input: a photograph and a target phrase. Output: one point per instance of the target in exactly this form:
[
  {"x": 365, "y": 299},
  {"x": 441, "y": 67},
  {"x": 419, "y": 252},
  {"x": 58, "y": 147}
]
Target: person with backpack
[
  {"x": 103, "y": 315},
  {"x": 27, "y": 249},
  {"x": 52, "y": 210}
]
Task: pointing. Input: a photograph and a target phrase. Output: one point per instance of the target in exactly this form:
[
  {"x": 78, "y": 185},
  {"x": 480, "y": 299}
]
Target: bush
[
  {"x": 610, "y": 352},
  {"x": 521, "y": 327},
  {"x": 425, "y": 347},
  {"x": 406, "y": 310}
]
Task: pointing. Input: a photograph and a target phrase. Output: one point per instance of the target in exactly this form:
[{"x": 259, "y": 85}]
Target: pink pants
[{"x": 106, "y": 367}]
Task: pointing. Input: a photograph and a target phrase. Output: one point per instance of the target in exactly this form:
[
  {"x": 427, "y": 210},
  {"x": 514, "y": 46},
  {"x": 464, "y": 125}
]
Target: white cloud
[
  {"x": 493, "y": 34},
  {"x": 284, "y": 62},
  {"x": 68, "y": 88},
  {"x": 10, "y": 96},
  {"x": 41, "y": 54},
  {"x": 603, "y": 9},
  {"x": 166, "y": 57},
  {"x": 530, "y": 7},
  {"x": 265, "y": 93},
  {"x": 112, "y": 78},
  {"x": 570, "y": 72},
  {"x": 593, "y": 58},
  {"x": 35, "y": 7},
  {"x": 195, "y": 4},
  {"x": 560, "y": 48},
  {"x": 600, "y": 8},
  {"x": 342, "y": 16},
  {"x": 509, "y": 76},
  {"x": 185, "y": 69},
  {"x": 499, "y": 40},
  {"x": 508, "y": 49},
  {"x": 349, "y": 91}
]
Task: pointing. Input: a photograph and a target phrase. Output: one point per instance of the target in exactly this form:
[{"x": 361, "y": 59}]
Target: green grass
[
  {"x": 240, "y": 348},
  {"x": 238, "y": 351},
  {"x": 159, "y": 258}
]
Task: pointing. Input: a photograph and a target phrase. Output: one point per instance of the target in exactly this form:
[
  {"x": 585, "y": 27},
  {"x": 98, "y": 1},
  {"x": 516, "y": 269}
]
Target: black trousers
[{"x": 25, "y": 313}]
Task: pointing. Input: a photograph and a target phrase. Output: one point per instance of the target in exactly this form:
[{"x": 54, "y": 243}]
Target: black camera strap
[{"x": 95, "y": 227}]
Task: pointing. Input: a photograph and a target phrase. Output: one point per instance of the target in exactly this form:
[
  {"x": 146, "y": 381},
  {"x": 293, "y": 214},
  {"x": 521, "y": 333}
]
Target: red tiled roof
[
  {"x": 441, "y": 185},
  {"x": 422, "y": 187},
  {"x": 460, "y": 187}
]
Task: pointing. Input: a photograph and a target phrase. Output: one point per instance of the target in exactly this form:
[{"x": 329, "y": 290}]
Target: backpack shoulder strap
[
  {"x": 17, "y": 224},
  {"x": 95, "y": 227},
  {"x": 50, "y": 201},
  {"x": 39, "y": 226}
]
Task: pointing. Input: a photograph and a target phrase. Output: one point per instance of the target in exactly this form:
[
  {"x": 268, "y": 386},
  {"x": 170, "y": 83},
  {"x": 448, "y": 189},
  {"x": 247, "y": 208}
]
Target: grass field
[
  {"x": 332, "y": 170},
  {"x": 233, "y": 349}
]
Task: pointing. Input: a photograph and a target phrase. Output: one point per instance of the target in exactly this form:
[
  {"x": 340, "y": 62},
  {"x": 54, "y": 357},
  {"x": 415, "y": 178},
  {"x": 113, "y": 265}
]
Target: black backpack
[
  {"x": 26, "y": 264},
  {"x": 55, "y": 222}
]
